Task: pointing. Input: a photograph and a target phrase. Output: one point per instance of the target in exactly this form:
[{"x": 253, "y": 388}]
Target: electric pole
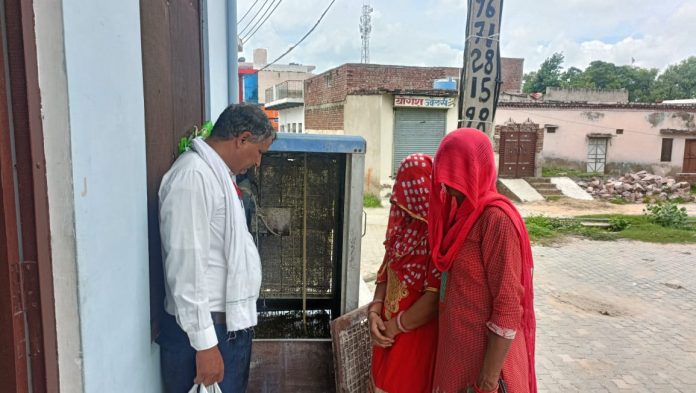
[{"x": 480, "y": 81}]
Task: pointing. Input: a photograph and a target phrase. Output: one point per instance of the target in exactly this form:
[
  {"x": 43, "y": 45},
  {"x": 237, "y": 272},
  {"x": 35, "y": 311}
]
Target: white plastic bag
[{"x": 214, "y": 388}]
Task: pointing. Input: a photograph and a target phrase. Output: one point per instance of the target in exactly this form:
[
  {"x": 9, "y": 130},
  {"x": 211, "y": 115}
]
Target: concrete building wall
[
  {"x": 557, "y": 94},
  {"x": 107, "y": 140},
  {"x": 216, "y": 93},
  {"x": 364, "y": 117},
  {"x": 639, "y": 146},
  {"x": 61, "y": 203},
  {"x": 372, "y": 117},
  {"x": 289, "y": 116},
  {"x": 270, "y": 78}
]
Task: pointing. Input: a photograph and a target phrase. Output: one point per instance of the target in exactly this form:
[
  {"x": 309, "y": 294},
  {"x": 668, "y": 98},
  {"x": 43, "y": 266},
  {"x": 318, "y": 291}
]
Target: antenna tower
[{"x": 365, "y": 29}]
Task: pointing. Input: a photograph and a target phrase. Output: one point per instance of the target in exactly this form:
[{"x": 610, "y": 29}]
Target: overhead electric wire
[
  {"x": 249, "y": 35},
  {"x": 253, "y": 19},
  {"x": 247, "y": 12},
  {"x": 301, "y": 39}
]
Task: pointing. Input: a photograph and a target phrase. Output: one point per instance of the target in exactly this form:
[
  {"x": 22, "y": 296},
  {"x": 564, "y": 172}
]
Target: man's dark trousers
[{"x": 178, "y": 358}]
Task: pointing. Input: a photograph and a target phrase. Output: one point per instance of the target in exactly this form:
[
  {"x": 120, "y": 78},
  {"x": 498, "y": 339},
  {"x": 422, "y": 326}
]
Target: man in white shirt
[{"x": 211, "y": 264}]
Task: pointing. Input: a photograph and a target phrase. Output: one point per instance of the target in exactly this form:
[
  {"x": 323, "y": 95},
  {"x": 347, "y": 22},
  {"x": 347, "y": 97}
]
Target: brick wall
[
  {"x": 329, "y": 87},
  {"x": 367, "y": 78},
  {"x": 332, "y": 87},
  {"x": 512, "y": 71},
  {"x": 324, "y": 117}
]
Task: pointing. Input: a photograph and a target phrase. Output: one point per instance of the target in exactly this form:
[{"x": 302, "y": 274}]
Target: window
[
  {"x": 282, "y": 128},
  {"x": 299, "y": 127},
  {"x": 294, "y": 127},
  {"x": 551, "y": 129},
  {"x": 619, "y": 131},
  {"x": 666, "y": 155}
]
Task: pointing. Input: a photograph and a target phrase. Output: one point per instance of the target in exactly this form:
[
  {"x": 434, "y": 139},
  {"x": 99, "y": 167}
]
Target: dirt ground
[{"x": 573, "y": 207}]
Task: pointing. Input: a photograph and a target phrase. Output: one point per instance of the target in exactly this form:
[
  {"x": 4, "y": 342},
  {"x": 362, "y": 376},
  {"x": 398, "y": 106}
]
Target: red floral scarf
[{"x": 407, "y": 251}]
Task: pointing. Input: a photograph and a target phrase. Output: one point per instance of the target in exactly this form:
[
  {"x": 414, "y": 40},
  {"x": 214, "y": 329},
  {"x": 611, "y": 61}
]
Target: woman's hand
[
  {"x": 377, "y": 331},
  {"x": 391, "y": 329}
]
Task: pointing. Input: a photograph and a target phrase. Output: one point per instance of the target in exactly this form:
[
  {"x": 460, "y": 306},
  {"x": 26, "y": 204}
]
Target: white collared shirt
[{"x": 192, "y": 224}]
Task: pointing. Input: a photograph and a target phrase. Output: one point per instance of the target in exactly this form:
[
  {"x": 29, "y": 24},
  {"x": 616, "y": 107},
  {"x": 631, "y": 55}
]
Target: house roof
[
  {"x": 582, "y": 105},
  {"x": 675, "y": 132}
]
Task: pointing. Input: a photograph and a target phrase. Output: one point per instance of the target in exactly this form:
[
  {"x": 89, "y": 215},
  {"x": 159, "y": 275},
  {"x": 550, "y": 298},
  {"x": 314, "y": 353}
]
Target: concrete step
[
  {"x": 544, "y": 186},
  {"x": 548, "y": 193},
  {"x": 538, "y": 180}
]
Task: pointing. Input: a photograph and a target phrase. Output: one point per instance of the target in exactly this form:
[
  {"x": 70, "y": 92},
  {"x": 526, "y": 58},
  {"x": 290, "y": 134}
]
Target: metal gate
[
  {"x": 517, "y": 154},
  {"x": 596, "y": 155},
  {"x": 417, "y": 131},
  {"x": 689, "y": 156}
]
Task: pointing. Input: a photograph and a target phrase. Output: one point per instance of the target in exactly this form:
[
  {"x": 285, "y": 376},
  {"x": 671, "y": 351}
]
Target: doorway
[{"x": 597, "y": 155}]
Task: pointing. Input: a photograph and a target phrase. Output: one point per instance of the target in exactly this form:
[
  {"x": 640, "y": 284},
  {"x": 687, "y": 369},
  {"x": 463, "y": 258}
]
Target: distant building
[
  {"x": 610, "y": 138},
  {"x": 399, "y": 110}
]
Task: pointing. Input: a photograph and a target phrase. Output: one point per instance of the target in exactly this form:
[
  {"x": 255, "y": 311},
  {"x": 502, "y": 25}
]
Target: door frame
[
  {"x": 606, "y": 151},
  {"x": 685, "y": 168},
  {"x": 25, "y": 218},
  {"x": 502, "y": 156}
]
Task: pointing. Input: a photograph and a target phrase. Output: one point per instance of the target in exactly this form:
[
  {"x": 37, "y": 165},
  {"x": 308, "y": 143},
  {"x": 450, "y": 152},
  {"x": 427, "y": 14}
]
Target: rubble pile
[{"x": 638, "y": 187}]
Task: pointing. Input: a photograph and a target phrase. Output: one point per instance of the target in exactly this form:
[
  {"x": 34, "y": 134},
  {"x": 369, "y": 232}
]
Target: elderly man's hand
[{"x": 209, "y": 366}]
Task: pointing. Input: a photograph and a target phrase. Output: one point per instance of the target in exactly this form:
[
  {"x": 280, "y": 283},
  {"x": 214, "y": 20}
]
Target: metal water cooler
[{"x": 304, "y": 209}]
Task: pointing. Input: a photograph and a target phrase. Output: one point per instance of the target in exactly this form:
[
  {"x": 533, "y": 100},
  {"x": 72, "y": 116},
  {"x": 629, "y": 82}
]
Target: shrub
[
  {"x": 666, "y": 214},
  {"x": 618, "y": 224},
  {"x": 371, "y": 200}
]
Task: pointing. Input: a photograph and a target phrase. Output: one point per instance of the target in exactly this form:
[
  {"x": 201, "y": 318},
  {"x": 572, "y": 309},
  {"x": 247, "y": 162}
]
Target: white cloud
[{"x": 431, "y": 32}]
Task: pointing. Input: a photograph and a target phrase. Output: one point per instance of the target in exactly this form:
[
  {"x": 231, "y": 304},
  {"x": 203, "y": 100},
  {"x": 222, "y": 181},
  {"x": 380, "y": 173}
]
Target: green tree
[
  {"x": 638, "y": 82},
  {"x": 678, "y": 81},
  {"x": 549, "y": 74},
  {"x": 572, "y": 78}
]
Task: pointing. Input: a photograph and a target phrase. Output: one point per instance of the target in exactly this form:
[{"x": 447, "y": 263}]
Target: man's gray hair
[{"x": 238, "y": 118}]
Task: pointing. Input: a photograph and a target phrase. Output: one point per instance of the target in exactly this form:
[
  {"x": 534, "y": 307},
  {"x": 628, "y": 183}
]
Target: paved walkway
[{"x": 612, "y": 316}]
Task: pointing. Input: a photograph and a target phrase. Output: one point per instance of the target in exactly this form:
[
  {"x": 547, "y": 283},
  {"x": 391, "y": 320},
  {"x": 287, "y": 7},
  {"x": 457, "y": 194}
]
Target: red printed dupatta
[{"x": 407, "y": 251}]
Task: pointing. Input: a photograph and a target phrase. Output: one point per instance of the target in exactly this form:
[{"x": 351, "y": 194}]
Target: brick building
[{"x": 398, "y": 109}]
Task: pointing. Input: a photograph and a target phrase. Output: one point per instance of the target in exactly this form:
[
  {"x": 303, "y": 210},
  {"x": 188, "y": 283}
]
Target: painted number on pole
[{"x": 481, "y": 71}]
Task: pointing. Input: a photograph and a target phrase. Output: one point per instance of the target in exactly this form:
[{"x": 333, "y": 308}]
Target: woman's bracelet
[
  {"x": 376, "y": 301},
  {"x": 376, "y": 313},
  {"x": 399, "y": 325}
]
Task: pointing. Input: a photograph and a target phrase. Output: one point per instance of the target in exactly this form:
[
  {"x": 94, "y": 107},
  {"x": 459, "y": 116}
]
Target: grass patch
[
  {"x": 547, "y": 230},
  {"x": 557, "y": 172},
  {"x": 641, "y": 229},
  {"x": 618, "y": 201},
  {"x": 693, "y": 188},
  {"x": 371, "y": 200}
]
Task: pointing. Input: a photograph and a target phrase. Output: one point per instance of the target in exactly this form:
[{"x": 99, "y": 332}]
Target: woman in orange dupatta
[
  {"x": 480, "y": 243},
  {"x": 403, "y": 314}
]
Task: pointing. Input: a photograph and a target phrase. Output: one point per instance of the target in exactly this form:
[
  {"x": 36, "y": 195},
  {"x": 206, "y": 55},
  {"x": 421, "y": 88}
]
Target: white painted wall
[
  {"x": 56, "y": 127},
  {"x": 107, "y": 140},
  {"x": 217, "y": 57},
  {"x": 286, "y": 117}
]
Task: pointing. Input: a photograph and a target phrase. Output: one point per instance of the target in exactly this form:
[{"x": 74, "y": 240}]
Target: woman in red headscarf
[
  {"x": 480, "y": 243},
  {"x": 402, "y": 316}
]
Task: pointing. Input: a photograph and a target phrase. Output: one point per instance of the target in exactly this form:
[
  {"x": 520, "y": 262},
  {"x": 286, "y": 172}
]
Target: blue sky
[{"x": 431, "y": 32}]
